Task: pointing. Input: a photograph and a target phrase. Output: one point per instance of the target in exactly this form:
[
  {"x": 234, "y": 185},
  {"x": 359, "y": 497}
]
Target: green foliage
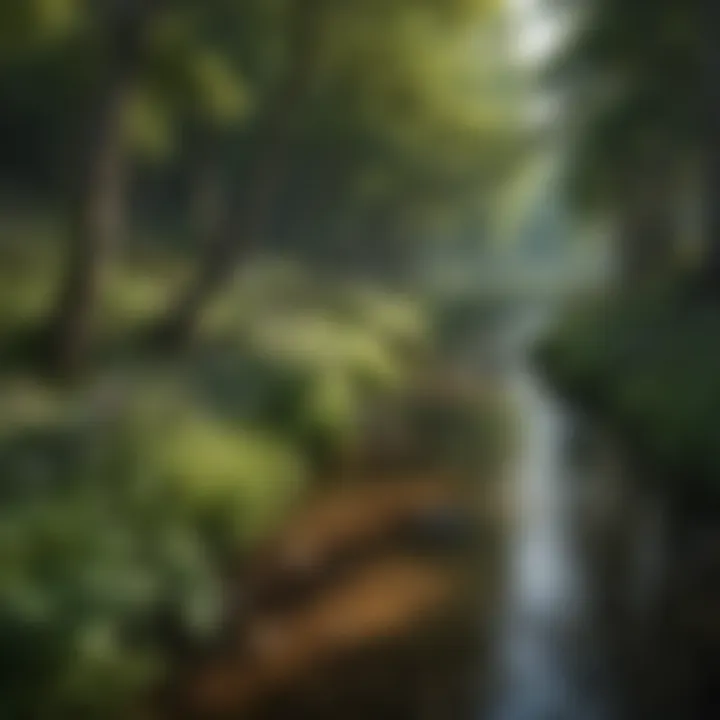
[
  {"x": 402, "y": 91},
  {"x": 404, "y": 123},
  {"x": 648, "y": 366},
  {"x": 194, "y": 74},
  {"x": 234, "y": 482},
  {"x": 634, "y": 70},
  {"x": 90, "y": 555},
  {"x": 315, "y": 354},
  {"x": 149, "y": 126},
  {"x": 399, "y": 320},
  {"x": 119, "y": 508},
  {"x": 30, "y": 25},
  {"x": 122, "y": 501}
]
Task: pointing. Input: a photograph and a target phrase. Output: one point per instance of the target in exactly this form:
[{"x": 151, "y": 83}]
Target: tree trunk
[
  {"x": 224, "y": 253},
  {"x": 97, "y": 203}
]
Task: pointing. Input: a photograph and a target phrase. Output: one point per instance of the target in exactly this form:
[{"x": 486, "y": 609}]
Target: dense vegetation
[
  {"x": 348, "y": 130},
  {"x": 209, "y": 214},
  {"x": 126, "y": 503},
  {"x": 644, "y": 162},
  {"x": 646, "y": 366}
]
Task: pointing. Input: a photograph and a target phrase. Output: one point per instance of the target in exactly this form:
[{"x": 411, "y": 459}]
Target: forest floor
[{"x": 372, "y": 602}]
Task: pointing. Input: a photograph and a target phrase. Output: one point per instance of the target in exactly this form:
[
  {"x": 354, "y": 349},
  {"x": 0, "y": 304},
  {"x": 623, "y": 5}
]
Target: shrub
[
  {"x": 648, "y": 364},
  {"x": 112, "y": 514}
]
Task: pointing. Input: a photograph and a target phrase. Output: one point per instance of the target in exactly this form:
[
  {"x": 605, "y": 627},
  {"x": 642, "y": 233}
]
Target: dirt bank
[{"x": 373, "y": 602}]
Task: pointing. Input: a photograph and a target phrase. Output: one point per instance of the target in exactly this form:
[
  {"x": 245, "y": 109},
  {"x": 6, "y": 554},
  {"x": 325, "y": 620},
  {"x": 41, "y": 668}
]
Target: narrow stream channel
[{"x": 550, "y": 655}]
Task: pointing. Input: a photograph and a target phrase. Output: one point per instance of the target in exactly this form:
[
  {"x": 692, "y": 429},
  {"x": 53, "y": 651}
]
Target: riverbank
[
  {"x": 375, "y": 601},
  {"x": 644, "y": 368}
]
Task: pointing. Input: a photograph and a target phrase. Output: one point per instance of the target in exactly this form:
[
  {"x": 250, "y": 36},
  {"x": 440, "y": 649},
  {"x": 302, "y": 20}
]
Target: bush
[
  {"x": 122, "y": 502},
  {"x": 88, "y": 558},
  {"x": 648, "y": 364},
  {"x": 114, "y": 512},
  {"x": 311, "y": 360}
]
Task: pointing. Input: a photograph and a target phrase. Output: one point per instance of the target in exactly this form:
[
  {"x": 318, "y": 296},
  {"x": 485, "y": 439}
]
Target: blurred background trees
[
  {"x": 242, "y": 88},
  {"x": 641, "y": 87},
  {"x": 642, "y": 83}
]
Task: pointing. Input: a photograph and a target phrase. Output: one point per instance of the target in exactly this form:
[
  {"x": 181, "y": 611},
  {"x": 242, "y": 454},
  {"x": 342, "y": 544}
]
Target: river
[{"x": 550, "y": 656}]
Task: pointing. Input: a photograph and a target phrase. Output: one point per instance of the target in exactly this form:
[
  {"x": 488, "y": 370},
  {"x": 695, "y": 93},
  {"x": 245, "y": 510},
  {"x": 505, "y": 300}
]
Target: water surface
[{"x": 550, "y": 657}]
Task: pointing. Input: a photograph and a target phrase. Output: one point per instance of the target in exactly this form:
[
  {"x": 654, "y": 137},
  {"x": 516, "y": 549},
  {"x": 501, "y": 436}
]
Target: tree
[
  {"x": 268, "y": 157},
  {"x": 637, "y": 73},
  {"x": 102, "y": 45},
  {"x": 121, "y": 28},
  {"x": 322, "y": 42},
  {"x": 136, "y": 68}
]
